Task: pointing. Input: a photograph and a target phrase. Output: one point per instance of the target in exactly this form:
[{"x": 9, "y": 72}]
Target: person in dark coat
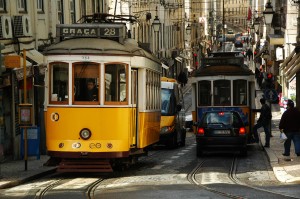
[
  {"x": 182, "y": 78},
  {"x": 263, "y": 121},
  {"x": 290, "y": 125},
  {"x": 249, "y": 54}
]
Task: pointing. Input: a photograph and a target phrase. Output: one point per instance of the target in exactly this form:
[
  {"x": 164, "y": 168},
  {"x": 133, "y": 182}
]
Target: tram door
[{"x": 134, "y": 102}]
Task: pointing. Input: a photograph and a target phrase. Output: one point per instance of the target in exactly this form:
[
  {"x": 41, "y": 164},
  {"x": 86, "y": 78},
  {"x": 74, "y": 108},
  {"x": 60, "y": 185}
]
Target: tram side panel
[{"x": 149, "y": 107}]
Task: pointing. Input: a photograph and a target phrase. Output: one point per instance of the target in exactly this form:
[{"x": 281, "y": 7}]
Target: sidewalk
[
  {"x": 286, "y": 169},
  {"x": 12, "y": 173}
]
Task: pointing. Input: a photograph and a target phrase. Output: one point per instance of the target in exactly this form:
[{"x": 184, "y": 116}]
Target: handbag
[{"x": 282, "y": 137}]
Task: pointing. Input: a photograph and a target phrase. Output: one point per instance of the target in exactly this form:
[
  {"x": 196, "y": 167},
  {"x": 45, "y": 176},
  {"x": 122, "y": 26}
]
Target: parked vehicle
[
  {"x": 221, "y": 129},
  {"x": 172, "y": 125}
]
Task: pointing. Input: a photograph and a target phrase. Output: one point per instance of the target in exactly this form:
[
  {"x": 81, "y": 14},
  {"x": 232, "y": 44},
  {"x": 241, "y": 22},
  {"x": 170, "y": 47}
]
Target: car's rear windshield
[{"x": 227, "y": 118}]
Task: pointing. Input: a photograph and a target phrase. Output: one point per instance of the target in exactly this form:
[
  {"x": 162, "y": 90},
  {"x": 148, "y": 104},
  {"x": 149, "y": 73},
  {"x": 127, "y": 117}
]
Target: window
[
  {"x": 95, "y": 6},
  {"x": 40, "y": 5},
  {"x": 60, "y": 12},
  {"x": 204, "y": 93},
  {"x": 2, "y": 5},
  {"x": 72, "y": 11},
  {"x": 222, "y": 93},
  {"x": 86, "y": 83},
  {"x": 134, "y": 86},
  {"x": 116, "y": 83},
  {"x": 59, "y": 83},
  {"x": 22, "y": 5},
  {"x": 152, "y": 90},
  {"x": 239, "y": 92}
]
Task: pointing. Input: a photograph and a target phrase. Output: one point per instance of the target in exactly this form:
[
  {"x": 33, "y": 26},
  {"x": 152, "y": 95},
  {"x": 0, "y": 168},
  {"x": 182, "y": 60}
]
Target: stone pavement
[
  {"x": 12, "y": 173},
  {"x": 286, "y": 170}
]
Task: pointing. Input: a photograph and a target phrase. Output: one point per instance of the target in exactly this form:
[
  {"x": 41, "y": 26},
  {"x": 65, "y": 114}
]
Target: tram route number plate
[{"x": 222, "y": 132}]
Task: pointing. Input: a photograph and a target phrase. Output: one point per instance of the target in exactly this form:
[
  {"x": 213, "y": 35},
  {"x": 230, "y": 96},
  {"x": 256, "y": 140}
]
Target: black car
[{"x": 219, "y": 130}]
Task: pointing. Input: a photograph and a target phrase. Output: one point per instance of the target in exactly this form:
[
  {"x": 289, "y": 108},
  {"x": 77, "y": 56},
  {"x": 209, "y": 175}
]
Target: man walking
[
  {"x": 290, "y": 125},
  {"x": 263, "y": 121}
]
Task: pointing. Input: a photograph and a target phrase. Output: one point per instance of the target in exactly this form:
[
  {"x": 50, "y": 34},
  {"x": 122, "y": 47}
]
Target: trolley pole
[{"x": 25, "y": 102}]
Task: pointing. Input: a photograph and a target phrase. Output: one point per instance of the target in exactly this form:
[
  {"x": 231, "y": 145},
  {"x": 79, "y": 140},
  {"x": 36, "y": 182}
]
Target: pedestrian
[
  {"x": 182, "y": 78},
  {"x": 290, "y": 125},
  {"x": 249, "y": 54},
  {"x": 263, "y": 121}
]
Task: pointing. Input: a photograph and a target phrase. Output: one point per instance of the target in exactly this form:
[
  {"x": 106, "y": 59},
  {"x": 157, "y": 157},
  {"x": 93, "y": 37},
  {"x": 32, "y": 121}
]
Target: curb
[{"x": 14, "y": 183}]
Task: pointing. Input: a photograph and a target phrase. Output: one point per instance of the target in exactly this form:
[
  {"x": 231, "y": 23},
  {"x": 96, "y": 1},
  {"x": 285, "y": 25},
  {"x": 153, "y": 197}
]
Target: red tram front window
[
  {"x": 239, "y": 92},
  {"x": 116, "y": 78},
  {"x": 222, "y": 93},
  {"x": 86, "y": 83},
  {"x": 59, "y": 83},
  {"x": 204, "y": 93}
]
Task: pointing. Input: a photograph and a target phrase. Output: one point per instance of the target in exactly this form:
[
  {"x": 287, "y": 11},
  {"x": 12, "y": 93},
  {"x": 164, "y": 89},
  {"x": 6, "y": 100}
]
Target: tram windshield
[
  {"x": 115, "y": 83},
  {"x": 220, "y": 92},
  {"x": 86, "y": 81},
  {"x": 168, "y": 102},
  {"x": 59, "y": 82}
]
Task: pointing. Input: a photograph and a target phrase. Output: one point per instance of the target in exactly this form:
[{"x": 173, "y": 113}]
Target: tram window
[
  {"x": 222, "y": 93},
  {"x": 86, "y": 82},
  {"x": 115, "y": 83},
  {"x": 59, "y": 82},
  {"x": 204, "y": 93},
  {"x": 239, "y": 92}
]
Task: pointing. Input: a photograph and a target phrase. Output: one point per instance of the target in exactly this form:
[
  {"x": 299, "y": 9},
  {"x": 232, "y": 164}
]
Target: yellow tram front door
[{"x": 134, "y": 98}]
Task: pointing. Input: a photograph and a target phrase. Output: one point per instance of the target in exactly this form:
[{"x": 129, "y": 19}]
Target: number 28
[{"x": 109, "y": 31}]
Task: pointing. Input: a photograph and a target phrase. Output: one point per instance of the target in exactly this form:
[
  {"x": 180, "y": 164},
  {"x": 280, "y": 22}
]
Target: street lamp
[
  {"x": 156, "y": 24},
  {"x": 268, "y": 13},
  {"x": 188, "y": 29},
  {"x": 156, "y": 27}
]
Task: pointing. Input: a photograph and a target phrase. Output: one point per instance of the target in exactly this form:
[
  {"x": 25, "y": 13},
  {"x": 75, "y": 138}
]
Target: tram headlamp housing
[{"x": 85, "y": 134}]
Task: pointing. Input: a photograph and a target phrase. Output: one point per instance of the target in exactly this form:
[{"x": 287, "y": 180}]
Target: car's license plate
[{"x": 222, "y": 132}]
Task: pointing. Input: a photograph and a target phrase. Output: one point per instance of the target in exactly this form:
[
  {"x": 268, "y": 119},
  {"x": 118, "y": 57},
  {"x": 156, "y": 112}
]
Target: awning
[
  {"x": 275, "y": 39},
  {"x": 179, "y": 59},
  {"x": 291, "y": 69},
  {"x": 164, "y": 66},
  {"x": 35, "y": 56},
  {"x": 287, "y": 60},
  {"x": 291, "y": 63}
]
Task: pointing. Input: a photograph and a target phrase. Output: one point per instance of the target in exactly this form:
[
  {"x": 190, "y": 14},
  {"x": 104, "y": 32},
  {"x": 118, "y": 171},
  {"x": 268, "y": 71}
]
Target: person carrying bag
[{"x": 290, "y": 125}]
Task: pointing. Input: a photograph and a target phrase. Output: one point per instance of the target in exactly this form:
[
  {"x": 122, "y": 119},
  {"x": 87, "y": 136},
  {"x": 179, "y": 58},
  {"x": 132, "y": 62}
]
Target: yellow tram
[{"x": 102, "y": 98}]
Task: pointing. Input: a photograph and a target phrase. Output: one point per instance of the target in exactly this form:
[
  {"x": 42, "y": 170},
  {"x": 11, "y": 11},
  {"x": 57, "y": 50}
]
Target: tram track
[
  {"x": 241, "y": 190},
  {"x": 88, "y": 190}
]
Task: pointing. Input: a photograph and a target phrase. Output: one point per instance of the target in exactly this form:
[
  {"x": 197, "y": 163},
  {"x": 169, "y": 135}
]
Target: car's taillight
[
  {"x": 242, "y": 131},
  {"x": 200, "y": 131}
]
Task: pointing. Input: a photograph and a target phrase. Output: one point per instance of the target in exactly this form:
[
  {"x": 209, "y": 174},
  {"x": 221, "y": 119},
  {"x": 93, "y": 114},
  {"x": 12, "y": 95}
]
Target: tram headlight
[{"x": 85, "y": 133}]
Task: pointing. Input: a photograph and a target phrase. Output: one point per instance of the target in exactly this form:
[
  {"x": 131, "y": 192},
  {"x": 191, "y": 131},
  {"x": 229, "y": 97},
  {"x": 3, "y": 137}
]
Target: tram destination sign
[
  {"x": 90, "y": 30},
  {"x": 218, "y": 61}
]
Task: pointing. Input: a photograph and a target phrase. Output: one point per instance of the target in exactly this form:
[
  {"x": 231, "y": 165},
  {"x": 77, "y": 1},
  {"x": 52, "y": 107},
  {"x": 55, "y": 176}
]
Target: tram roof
[
  {"x": 231, "y": 66},
  {"x": 97, "y": 46}
]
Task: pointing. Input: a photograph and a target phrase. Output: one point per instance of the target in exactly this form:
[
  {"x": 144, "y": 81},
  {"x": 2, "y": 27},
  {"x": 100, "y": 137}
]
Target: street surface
[{"x": 169, "y": 173}]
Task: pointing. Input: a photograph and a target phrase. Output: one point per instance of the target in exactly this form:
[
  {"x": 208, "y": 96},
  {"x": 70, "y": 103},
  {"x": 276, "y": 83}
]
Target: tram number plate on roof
[{"x": 222, "y": 132}]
